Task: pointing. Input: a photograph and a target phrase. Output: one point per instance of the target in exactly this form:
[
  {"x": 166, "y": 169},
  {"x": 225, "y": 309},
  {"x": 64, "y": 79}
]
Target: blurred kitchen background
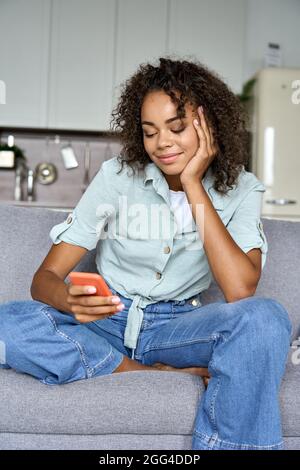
[{"x": 62, "y": 63}]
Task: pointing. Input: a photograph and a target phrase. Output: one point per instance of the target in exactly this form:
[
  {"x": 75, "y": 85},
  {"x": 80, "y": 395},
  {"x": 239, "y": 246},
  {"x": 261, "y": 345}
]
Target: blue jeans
[{"x": 244, "y": 344}]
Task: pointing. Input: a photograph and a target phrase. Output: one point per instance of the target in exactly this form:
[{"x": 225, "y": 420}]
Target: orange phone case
[{"x": 90, "y": 279}]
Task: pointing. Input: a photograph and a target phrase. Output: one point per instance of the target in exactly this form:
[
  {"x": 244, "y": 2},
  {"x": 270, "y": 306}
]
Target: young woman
[{"x": 173, "y": 210}]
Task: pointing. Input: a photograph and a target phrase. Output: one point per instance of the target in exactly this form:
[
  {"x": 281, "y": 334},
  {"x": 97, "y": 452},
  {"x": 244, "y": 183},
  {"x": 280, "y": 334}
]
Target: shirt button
[
  {"x": 158, "y": 275},
  {"x": 167, "y": 249},
  {"x": 69, "y": 219}
]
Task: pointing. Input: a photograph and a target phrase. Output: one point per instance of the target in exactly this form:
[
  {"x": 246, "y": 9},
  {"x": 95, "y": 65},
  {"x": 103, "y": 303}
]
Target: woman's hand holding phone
[{"x": 86, "y": 306}]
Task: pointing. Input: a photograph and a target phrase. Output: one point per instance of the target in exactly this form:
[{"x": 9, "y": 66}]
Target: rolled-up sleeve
[
  {"x": 84, "y": 225},
  {"x": 246, "y": 227}
]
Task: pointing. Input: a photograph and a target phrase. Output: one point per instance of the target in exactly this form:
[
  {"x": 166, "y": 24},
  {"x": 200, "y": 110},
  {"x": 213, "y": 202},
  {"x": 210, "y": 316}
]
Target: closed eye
[{"x": 175, "y": 132}]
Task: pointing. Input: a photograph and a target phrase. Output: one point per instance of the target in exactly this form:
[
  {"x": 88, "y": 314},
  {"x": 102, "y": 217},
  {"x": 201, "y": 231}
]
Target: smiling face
[{"x": 165, "y": 134}]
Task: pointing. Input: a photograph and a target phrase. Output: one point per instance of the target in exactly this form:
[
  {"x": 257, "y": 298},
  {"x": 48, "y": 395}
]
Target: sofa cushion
[
  {"x": 114, "y": 403},
  {"x": 138, "y": 402}
]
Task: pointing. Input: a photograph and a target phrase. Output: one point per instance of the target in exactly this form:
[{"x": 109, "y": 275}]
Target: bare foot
[
  {"x": 205, "y": 381},
  {"x": 200, "y": 371},
  {"x": 131, "y": 365}
]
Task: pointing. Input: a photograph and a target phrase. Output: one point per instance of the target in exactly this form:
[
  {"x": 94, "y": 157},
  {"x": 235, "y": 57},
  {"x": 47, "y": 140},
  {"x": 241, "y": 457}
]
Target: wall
[
  {"x": 271, "y": 21},
  {"x": 67, "y": 189}
]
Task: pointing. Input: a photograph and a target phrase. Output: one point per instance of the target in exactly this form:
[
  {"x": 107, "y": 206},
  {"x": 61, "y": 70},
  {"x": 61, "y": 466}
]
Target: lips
[
  {"x": 169, "y": 158},
  {"x": 168, "y": 155}
]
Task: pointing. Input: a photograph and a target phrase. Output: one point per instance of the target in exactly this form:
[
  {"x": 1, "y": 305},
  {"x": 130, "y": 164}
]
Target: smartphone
[{"x": 90, "y": 279}]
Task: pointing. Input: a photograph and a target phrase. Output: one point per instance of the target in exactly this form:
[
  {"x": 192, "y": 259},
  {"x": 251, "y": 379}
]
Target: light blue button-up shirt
[{"x": 138, "y": 249}]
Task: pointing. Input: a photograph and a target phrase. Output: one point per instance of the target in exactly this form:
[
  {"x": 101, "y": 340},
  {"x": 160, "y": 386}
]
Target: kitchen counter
[{"x": 49, "y": 205}]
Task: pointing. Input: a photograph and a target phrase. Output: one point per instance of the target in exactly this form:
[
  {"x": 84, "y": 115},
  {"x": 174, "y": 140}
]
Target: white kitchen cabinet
[
  {"x": 63, "y": 61},
  {"x": 81, "y": 64},
  {"x": 213, "y": 33},
  {"x": 141, "y": 36},
  {"x": 24, "y": 46}
]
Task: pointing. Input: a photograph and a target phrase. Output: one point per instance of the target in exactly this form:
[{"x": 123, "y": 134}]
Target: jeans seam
[
  {"x": 101, "y": 363},
  {"x": 235, "y": 445},
  {"x": 77, "y": 345},
  {"x": 212, "y": 404},
  {"x": 182, "y": 343},
  {"x": 89, "y": 370}
]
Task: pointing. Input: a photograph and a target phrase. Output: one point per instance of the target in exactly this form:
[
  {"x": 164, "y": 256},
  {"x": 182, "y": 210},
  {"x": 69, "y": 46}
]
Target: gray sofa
[{"x": 131, "y": 410}]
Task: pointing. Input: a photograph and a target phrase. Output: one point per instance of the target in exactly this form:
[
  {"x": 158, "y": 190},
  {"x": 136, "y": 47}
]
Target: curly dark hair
[{"x": 196, "y": 84}]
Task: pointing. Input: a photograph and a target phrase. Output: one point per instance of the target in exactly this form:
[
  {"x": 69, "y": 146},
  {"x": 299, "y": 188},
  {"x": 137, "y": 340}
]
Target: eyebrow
[{"x": 166, "y": 122}]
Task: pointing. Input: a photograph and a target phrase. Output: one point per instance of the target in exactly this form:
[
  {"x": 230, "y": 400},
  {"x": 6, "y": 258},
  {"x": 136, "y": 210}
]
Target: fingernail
[
  {"x": 91, "y": 290},
  {"x": 201, "y": 109},
  {"x": 196, "y": 122},
  {"x": 115, "y": 300},
  {"x": 120, "y": 307}
]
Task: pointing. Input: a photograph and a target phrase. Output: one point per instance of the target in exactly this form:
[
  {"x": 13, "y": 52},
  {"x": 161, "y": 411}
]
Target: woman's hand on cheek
[{"x": 207, "y": 150}]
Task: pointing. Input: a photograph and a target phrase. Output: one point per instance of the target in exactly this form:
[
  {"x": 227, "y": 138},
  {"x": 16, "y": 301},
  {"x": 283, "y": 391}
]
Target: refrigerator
[{"x": 275, "y": 127}]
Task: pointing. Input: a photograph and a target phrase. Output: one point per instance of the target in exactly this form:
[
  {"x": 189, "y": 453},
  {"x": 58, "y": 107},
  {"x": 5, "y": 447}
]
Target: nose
[{"x": 164, "y": 140}]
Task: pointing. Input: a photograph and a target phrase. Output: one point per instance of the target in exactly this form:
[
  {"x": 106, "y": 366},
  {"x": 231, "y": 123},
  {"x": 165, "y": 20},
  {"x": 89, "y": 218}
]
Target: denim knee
[
  {"x": 8, "y": 312},
  {"x": 268, "y": 316},
  {"x": 43, "y": 342},
  {"x": 16, "y": 306},
  {"x": 271, "y": 312}
]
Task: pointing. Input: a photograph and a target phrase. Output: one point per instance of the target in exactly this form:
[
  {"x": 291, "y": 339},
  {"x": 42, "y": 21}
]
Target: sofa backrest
[{"x": 25, "y": 241}]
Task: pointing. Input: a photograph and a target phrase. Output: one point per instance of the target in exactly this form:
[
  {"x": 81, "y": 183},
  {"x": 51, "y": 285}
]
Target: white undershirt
[{"x": 182, "y": 211}]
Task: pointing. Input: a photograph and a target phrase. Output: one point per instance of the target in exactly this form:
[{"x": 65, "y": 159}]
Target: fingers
[
  {"x": 203, "y": 124},
  {"x": 89, "y": 318},
  {"x": 97, "y": 310},
  {"x": 80, "y": 290},
  {"x": 92, "y": 300},
  {"x": 201, "y": 135},
  {"x": 81, "y": 295},
  {"x": 205, "y": 133},
  {"x": 87, "y": 314},
  {"x": 87, "y": 307}
]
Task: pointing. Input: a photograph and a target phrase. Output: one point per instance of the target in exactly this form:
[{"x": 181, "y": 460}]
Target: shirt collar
[{"x": 153, "y": 172}]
